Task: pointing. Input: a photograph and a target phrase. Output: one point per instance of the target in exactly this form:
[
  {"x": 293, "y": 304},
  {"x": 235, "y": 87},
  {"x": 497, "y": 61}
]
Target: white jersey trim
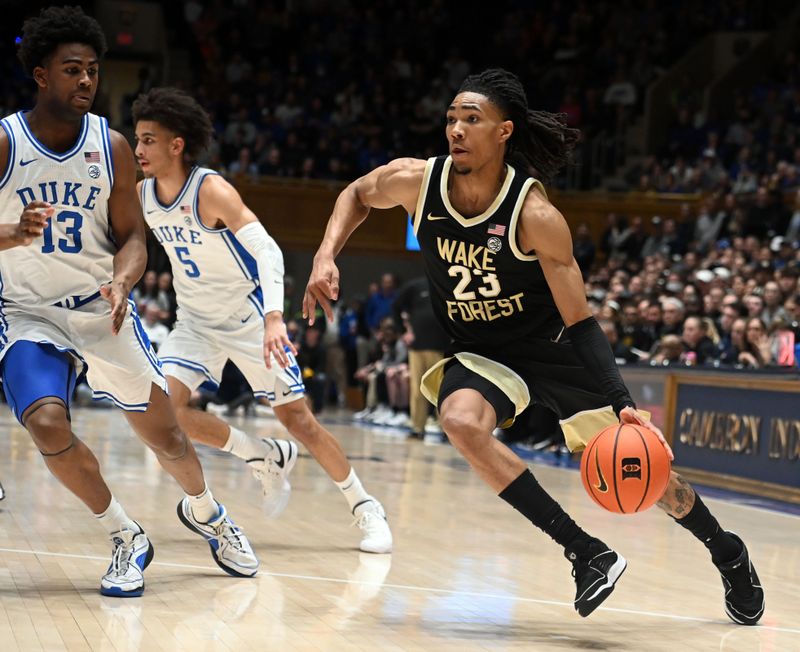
[
  {"x": 39, "y": 147},
  {"x": 180, "y": 195},
  {"x": 12, "y": 152}
]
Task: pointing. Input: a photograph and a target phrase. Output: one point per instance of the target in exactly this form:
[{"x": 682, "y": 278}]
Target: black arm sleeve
[{"x": 594, "y": 351}]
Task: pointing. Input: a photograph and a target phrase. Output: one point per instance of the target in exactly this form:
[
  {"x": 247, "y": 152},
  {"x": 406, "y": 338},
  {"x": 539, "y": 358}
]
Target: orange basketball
[{"x": 625, "y": 468}]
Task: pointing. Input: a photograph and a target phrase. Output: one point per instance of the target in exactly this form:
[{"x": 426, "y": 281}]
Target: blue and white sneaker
[
  {"x": 272, "y": 471},
  {"x": 132, "y": 553},
  {"x": 229, "y": 546}
]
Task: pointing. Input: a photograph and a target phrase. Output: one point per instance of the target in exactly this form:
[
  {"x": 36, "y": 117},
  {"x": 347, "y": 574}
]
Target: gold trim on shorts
[
  {"x": 581, "y": 427},
  {"x": 505, "y": 379}
]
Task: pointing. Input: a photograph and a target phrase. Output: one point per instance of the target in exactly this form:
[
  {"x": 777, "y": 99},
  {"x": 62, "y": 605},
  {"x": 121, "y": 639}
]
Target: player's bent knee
[
  {"x": 171, "y": 443},
  {"x": 462, "y": 427},
  {"x": 49, "y": 426},
  {"x": 297, "y": 418}
]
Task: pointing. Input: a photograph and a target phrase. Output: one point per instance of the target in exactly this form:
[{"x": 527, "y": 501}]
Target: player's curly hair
[
  {"x": 541, "y": 140},
  {"x": 180, "y": 113},
  {"x": 42, "y": 34}
]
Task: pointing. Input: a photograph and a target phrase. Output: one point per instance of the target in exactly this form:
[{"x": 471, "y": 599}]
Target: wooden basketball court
[{"x": 467, "y": 573}]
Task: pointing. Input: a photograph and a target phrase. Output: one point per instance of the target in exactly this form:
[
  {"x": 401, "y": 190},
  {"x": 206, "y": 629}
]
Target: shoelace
[
  {"x": 231, "y": 533},
  {"x": 121, "y": 559},
  {"x": 362, "y": 520}
]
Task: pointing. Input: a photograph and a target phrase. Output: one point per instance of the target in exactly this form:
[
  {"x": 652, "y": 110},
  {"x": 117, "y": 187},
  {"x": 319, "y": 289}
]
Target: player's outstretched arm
[
  {"x": 219, "y": 201},
  {"x": 127, "y": 225},
  {"x": 395, "y": 184},
  {"x": 544, "y": 230}
]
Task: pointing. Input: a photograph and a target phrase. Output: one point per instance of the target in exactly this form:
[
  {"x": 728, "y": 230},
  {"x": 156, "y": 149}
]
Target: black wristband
[{"x": 592, "y": 347}]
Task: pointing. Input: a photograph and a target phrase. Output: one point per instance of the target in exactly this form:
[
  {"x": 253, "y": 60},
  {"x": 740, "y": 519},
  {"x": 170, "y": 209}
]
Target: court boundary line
[{"x": 411, "y": 587}]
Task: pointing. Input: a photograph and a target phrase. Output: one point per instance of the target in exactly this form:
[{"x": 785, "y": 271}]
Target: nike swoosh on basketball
[
  {"x": 602, "y": 487},
  {"x": 22, "y": 163},
  {"x": 433, "y": 218}
]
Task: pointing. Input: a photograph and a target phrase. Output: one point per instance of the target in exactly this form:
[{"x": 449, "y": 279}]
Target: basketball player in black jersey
[{"x": 506, "y": 288}]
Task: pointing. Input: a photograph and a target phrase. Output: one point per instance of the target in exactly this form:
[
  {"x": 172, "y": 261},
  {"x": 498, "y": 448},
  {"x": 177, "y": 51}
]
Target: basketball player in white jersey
[
  {"x": 228, "y": 276},
  {"x": 73, "y": 245}
]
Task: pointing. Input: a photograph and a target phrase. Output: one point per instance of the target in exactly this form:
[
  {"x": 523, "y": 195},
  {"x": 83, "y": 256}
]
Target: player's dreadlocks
[
  {"x": 178, "y": 112},
  {"x": 42, "y": 34},
  {"x": 540, "y": 139}
]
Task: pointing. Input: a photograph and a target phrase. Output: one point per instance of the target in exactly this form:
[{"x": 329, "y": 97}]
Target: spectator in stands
[
  {"x": 673, "y": 314},
  {"x": 146, "y": 291},
  {"x": 583, "y": 248},
  {"x": 730, "y": 354},
  {"x": 632, "y": 334},
  {"x": 668, "y": 351},
  {"x": 773, "y": 305},
  {"x": 379, "y": 304},
  {"x": 622, "y": 353},
  {"x": 155, "y": 330},
  {"x": 793, "y": 230},
  {"x": 697, "y": 345},
  {"x": 311, "y": 358},
  {"x": 167, "y": 301},
  {"x": 757, "y": 351},
  {"x": 426, "y": 342}
]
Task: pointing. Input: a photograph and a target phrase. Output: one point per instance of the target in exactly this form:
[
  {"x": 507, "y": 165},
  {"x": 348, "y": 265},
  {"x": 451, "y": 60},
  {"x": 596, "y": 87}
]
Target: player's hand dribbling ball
[{"x": 625, "y": 468}]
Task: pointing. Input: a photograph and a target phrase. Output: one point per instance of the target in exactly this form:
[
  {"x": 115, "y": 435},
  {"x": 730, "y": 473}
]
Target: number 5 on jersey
[{"x": 183, "y": 255}]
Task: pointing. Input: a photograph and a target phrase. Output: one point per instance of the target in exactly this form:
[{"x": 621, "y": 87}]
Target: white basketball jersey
[
  {"x": 74, "y": 257},
  {"x": 213, "y": 275}
]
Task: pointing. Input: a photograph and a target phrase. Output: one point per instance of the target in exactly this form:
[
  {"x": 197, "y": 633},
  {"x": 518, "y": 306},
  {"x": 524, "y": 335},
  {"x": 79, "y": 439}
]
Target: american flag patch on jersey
[
  {"x": 186, "y": 209},
  {"x": 496, "y": 229},
  {"x": 92, "y": 157}
]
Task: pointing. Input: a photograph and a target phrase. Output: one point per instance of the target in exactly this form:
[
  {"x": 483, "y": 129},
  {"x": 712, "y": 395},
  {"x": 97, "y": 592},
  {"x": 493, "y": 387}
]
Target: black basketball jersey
[{"x": 487, "y": 294}]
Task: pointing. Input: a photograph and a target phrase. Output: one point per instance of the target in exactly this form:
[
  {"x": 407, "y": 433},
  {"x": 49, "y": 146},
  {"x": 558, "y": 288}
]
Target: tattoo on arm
[{"x": 679, "y": 501}]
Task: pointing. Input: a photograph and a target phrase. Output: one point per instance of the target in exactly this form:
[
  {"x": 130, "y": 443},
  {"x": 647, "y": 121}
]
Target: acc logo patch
[
  {"x": 94, "y": 171},
  {"x": 188, "y": 220},
  {"x": 494, "y": 244}
]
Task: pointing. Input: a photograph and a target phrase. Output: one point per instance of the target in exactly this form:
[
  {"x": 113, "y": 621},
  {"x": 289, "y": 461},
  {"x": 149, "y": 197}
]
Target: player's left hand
[
  {"x": 116, "y": 295},
  {"x": 632, "y": 416},
  {"x": 275, "y": 339}
]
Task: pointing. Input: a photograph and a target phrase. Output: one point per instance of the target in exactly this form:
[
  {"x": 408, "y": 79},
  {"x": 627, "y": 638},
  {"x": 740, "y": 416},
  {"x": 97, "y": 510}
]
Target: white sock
[
  {"x": 115, "y": 519},
  {"x": 353, "y": 491},
  {"x": 244, "y": 446},
  {"x": 203, "y": 506}
]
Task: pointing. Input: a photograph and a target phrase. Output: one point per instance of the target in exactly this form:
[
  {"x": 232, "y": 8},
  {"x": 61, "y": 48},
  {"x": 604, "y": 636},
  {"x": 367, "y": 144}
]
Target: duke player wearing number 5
[
  {"x": 228, "y": 277},
  {"x": 506, "y": 288},
  {"x": 68, "y": 264}
]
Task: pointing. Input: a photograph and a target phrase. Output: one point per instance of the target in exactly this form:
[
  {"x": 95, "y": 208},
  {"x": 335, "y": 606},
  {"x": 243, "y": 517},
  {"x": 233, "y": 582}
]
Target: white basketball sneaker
[
  {"x": 132, "y": 552},
  {"x": 229, "y": 546},
  {"x": 272, "y": 471},
  {"x": 371, "y": 519}
]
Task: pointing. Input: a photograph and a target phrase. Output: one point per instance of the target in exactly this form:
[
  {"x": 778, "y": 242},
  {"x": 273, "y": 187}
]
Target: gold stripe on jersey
[
  {"x": 507, "y": 380},
  {"x": 581, "y": 427},
  {"x": 423, "y": 194},
  {"x": 472, "y": 221},
  {"x": 512, "y": 228}
]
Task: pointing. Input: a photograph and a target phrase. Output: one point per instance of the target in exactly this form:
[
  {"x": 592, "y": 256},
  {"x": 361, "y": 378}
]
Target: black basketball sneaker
[
  {"x": 596, "y": 569},
  {"x": 744, "y": 597}
]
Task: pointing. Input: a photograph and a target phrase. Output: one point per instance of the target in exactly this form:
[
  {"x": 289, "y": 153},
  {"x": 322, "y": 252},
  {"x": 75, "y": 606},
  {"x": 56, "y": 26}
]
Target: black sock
[
  {"x": 526, "y": 495},
  {"x": 704, "y": 526}
]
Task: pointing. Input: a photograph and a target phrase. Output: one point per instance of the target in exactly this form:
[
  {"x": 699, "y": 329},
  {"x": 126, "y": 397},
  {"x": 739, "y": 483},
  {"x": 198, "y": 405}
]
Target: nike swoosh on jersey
[
  {"x": 287, "y": 392},
  {"x": 22, "y": 163},
  {"x": 246, "y": 319},
  {"x": 602, "y": 487},
  {"x": 433, "y": 218}
]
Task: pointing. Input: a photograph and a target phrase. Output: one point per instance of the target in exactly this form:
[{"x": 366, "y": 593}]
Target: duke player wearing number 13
[
  {"x": 506, "y": 288},
  {"x": 228, "y": 276},
  {"x": 73, "y": 244}
]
